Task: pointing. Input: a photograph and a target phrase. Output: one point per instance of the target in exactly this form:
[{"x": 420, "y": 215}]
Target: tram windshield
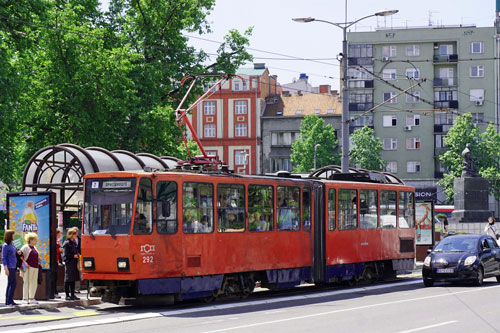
[{"x": 109, "y": 204}]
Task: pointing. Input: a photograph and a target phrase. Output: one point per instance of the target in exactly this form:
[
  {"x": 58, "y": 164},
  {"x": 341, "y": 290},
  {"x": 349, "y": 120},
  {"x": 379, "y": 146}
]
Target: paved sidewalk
[{"x": 49, "y": 304}]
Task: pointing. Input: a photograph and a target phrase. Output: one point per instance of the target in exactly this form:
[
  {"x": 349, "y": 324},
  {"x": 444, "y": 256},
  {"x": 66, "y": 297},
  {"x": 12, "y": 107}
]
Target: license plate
[{"x": 445, "y": 270}]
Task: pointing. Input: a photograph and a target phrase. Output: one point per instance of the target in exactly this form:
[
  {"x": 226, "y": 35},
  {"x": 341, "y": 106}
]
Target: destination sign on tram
[{"x": 116, "y": 184}]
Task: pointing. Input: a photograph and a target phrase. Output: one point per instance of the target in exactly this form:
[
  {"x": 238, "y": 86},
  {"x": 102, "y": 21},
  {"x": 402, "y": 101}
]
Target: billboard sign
[{"x": 425, "y": 223}]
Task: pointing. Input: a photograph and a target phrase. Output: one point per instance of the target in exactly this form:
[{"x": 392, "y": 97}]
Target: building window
[
  {"x": 439, "y": 140},
  {"x": 413, "y": 97},
  {"x": 360, "y": 73},
  {"x": 244, "y": 85},
  {"x": 413, "y": 120},
  {"x": 317, "y": 111},
  {"x": 240, "y": 157},
  {"x": 476, "y": 71},
  {"x": 280, "y": 164},
  {"x": 284, "y": 138},
  {"x": 389, "y": 74},
  {"x": 413, "y": 143},
  {"x": 240, "y": 130},
  {"x": 478, "y": 118},
  {"x": 389, "y": 51},
  {"x": 363, "y": 121},
  {"x": 240, "y": 107},
  {"x": 445, "y": 50},
  {"x": 446, "y": 95},
  {"x": 443, "y": 118},
  {"x": 391, "y": 166},
  {"x": 360, "y": 51},
  {"x": 476, "y": 47},
  {"x": 330, "y": 111},
  {"x": 390, "y": 143},
  {"x": 236, "y": 86},
  {"x": 390, "y": 121},
  {"x": 413, "y": 166},
  {"x": 209, "y": 108},
  {"x": 412, "y": 50},
  {"x": 298, "y": 112},
  {"x": 209, "y": 130},
  {"x": 391, "y": 97},
  {"x": 413, "y": 73},
  {"x": 476, "y": 95}
]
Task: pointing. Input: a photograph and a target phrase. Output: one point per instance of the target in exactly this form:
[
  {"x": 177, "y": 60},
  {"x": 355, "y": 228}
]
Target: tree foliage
[
  {"x": 485, "y": 147},
  {"x": 72, "y": 73},
  {"x": 313, "y": 131},
  {"x": 366, "y": 150}
]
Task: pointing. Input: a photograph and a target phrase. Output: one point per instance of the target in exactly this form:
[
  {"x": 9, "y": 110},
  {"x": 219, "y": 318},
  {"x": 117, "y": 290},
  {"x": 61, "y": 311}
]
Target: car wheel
[
  {"x": 428, "y": 282},
  {"x": 480, "y": 277}
]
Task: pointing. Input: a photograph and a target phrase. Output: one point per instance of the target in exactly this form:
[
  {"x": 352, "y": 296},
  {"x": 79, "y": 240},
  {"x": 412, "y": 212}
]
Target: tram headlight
[
  {"x": 123, "y": 264},
  {"x": 88, "y": 264},
  {"x": 427, "y": 261}
]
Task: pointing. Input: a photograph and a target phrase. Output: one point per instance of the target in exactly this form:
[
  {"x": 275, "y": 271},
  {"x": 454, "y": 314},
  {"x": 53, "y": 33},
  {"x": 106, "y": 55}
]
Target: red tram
[{"x": 182, "y": 234}]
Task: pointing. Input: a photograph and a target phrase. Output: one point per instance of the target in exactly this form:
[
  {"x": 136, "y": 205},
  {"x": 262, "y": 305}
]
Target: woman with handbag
[
  {"x": 70, "y": 258},
  {"x": 9, "y": 261},
  {"x": 491, "y": 229},
  {"x": 31, "y": 261}
]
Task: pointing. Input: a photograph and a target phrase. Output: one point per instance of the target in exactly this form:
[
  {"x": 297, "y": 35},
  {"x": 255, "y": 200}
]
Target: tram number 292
[{"x": 147, "y": 259}]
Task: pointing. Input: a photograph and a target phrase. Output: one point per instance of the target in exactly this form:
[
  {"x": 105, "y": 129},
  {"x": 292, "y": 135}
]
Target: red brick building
[{"x": 228, "y": 123}]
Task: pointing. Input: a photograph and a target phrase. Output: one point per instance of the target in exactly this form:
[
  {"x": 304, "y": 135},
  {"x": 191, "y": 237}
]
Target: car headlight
[
  {"x": 123, "y": 264},
  {"x": 427, "y": 261},
  {"x": 470, "y": 260},
  {"x": 88, "y": 264}
]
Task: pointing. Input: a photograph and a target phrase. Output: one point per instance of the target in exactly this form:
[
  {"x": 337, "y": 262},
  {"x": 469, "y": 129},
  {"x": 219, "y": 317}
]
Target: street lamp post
[
  {"x": 315, "y": 148},
  {"x": 345, "y": 89}
]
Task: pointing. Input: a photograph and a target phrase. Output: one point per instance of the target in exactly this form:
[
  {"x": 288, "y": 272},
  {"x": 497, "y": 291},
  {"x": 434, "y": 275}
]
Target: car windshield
[
  {"x": 108, "y": 206},
  {"x": 456, "y": 244}
]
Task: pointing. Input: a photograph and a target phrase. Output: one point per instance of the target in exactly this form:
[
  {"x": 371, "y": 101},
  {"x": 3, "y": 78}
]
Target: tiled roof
[{"x": 307, "y": 103}]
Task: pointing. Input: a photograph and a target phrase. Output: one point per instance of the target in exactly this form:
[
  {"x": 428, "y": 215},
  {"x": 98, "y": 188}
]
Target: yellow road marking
[
  {"x": 85, "y": 313},
  {"x": 38, "y": 317}
]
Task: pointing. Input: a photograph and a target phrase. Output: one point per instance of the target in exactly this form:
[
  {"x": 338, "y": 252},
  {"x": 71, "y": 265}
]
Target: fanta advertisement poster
[{"x": 31, "y": 213}]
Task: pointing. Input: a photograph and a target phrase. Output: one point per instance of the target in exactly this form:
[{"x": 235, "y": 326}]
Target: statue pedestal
[{"x": 471, "y": 200}]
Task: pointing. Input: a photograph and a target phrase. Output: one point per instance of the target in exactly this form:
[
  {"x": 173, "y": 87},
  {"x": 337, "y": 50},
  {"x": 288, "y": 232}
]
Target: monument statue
[{"x": 469, "y": 168}]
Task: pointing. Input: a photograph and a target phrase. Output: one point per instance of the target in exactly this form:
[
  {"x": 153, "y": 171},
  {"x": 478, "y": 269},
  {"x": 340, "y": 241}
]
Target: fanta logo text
[
  {"x": 146, "y": 248},
  {"x": 30, "y": 227}
]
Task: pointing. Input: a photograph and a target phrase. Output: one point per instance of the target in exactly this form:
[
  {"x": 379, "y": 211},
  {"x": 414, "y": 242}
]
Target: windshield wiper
[
  {"x": 112, "y": 232},
  {"x": 92, "y": 235}
]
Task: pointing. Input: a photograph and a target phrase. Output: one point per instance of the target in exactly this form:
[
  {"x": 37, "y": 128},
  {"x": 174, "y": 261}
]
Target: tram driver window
[
  {"x": 332, "y": 204},
  {"x": 166, "y": 207},
  {"x": 198, "y": 208},
  {"x": 230, "y": 208},
  {"x": 388, "y": 209},
  {"x": 288, "y": 208},
  {"x": 406, "y": 207},
  {"x": 348, "y": 211},
  {"x": 368, "y": 209},
  {"x": 260, "y": 208},
  {"x": 143, "y": 221}
]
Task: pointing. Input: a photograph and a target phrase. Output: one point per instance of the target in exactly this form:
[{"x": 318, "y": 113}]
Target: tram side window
[
  {"x": 288, "y": 208},
  {"x": 348, "y": 209},
  {"x": 230, "y": 208},
  {"x": 166, "y": 207},
  {"x": 198, "y": 208},
  {"x": 388, "y": 209},
  {"x": 368, "y": 209},
  {"x": 306, "y": 208},
  {"x": 260, "y": 208},
  {"x": 406, "y": 207},
  {"x": 332, "y": 204},
  {"x": 143, "y": 221}
]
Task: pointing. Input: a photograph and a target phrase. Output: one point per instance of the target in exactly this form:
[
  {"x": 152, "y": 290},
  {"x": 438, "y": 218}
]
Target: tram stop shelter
[{"x": 61, "y": 168}]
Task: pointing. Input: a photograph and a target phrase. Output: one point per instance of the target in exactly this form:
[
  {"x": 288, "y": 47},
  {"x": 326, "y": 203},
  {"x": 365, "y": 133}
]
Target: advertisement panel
[
  {"x": 425, "y": 225},
  {"x": 32, "y": 212}
]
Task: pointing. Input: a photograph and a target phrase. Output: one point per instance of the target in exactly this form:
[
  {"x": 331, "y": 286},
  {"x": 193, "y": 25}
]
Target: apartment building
[{"x": 448, "y": 71}]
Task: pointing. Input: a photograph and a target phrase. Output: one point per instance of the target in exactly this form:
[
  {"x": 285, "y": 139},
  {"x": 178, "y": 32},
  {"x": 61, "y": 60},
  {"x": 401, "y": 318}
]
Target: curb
[{"x": 54, "y": 305}]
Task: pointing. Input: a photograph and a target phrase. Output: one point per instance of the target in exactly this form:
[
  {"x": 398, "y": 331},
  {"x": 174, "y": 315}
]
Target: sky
[{"x": 283, "y": 39}]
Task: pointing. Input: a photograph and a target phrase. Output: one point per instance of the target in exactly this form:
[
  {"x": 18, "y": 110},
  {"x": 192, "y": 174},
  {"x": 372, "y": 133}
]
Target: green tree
[
  {"x": 313, "y": 131},
  {"x": 366, "y": 150},
  {"x": 104, "y": 79},
  {"x": 485, "y": 147}
]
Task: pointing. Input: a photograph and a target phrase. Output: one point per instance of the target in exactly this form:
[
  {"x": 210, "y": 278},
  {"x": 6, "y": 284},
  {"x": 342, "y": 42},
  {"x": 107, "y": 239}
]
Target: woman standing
[
  {"x": 9, "y": 265},
  {"x": 70, "y": 258},
  {"x": 30, "y": 276}
]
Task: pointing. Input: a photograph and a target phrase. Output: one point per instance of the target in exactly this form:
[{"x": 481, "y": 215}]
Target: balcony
[
  {"x": 360, "y": 106},
  {"x": 359, "y": 61},
  {"x": 445, "y": 81},
  {"x": 445, "y": 58},
  {"x": 446, "y": 104},
  {"x": 367, "y": 84}
]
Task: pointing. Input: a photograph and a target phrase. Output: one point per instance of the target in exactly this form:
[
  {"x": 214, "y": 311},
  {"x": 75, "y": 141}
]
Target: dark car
[{"x": 462, "y": 258}]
